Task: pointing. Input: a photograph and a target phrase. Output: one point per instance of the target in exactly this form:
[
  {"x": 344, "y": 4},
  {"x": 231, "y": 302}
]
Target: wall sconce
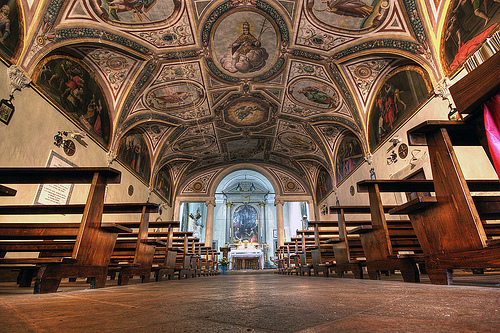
[
  {"x": 393, "y": 158},
  {"x": 67, "y": 145}
]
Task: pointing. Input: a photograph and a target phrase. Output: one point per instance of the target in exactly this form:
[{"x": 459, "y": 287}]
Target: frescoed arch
[
  {"x": 72, "y": 86},
  {"x": 349, "y": 156},
  {"x": 397, "y": 97},
  {"x": 134, "y": 153}
]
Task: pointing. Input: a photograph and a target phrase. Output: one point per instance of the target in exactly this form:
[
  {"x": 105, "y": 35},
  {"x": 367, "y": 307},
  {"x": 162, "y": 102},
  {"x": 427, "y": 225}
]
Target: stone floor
[{"x": 256, "y": 303}]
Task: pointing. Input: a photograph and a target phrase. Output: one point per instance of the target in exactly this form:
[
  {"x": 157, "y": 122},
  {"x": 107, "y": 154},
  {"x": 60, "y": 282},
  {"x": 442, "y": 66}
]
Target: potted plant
[{"x": 223, "y": 262}]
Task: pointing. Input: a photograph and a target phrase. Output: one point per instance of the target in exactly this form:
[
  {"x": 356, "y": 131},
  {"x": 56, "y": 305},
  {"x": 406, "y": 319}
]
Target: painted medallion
[
  {"x": 246, "y": 112},
  {"x": 349, "y": 14},
  {"x": 314, "y": 93},
  {"x": 194, "y": 144},
  {"x": 297, "y": 141},
  {"x": 175, "y": 96},
  {"x": 245, "y": 43},
  {"x": 133, "y": 11}
]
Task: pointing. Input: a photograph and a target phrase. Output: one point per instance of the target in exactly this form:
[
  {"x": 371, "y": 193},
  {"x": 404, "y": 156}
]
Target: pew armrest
[
  {"x": 334, "y": 240},
  {"x": 412, "y": 205},
  {"x": 493, "y": 242},
  {"x": 362, "y": 229},
  {"x": 7, "y": 191},
  {"x": 153, "y": 241},
  {"x": 115, "y": 227},
  {"x": 38, "y": 261}
]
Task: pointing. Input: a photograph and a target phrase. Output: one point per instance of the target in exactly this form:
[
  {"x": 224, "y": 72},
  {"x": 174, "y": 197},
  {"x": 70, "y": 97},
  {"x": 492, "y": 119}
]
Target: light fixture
[{"x": 67, "y": 145}]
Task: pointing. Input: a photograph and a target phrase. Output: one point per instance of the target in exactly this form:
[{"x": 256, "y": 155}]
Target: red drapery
[{"x": 492, "y": 125}]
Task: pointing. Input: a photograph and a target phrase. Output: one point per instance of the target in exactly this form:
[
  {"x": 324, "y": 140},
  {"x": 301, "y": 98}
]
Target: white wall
[{"x": 28, "y": 140}]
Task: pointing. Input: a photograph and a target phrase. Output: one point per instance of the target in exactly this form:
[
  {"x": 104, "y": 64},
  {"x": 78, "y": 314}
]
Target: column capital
[
  {"x": 279, "y": 201},
  {"x": 210, "y": 202},
  {"x": 229, "y": 204}
]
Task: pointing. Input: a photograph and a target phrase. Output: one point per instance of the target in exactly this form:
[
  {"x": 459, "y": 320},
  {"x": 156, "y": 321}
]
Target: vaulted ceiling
[{"x": 203, "y": 92}]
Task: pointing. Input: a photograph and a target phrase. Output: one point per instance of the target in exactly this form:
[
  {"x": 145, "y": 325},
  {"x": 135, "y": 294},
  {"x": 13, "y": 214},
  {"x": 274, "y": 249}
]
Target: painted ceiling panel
[{"x": 207, "y": 83}]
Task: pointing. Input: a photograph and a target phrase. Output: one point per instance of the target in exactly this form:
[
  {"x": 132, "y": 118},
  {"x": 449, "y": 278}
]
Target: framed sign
[
  {"x": 6, "y": 110},
  {"x": 55, "y": 194}
]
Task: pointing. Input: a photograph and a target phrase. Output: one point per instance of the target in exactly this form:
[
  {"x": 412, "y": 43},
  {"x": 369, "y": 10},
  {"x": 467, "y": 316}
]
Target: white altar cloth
[{"x": 246, "y": 253}]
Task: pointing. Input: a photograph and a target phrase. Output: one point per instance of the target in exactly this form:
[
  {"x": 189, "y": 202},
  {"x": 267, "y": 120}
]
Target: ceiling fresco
[{"x": 198, "y": 85}]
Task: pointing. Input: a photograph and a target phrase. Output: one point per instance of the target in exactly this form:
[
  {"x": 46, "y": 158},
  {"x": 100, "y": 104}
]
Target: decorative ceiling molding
[
  {"x": 289, "y": 184},
  {"x": 202, "y": 183}
]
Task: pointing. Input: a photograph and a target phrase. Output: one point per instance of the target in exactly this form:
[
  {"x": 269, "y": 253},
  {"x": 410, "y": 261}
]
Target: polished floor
[{"x": 257, "y": 303}]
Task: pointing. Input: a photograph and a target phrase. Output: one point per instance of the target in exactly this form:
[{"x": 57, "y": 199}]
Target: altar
[{"x": 246, "y": 256}]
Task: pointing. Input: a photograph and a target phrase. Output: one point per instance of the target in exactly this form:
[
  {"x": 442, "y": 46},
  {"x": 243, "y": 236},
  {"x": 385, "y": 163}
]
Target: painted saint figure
[
  {"x": 138, "y": 7},
  {"x": 354, "y": 8},
  {"x": 318, "y": 96},
  {"x": 246, "y": 55},
  {"x": 4, "y": 23}
]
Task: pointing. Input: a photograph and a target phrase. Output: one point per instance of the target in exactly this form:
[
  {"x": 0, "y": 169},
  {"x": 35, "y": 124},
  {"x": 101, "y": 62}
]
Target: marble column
[
  {"x": 229, "y": 226},
  {"x": 209, "y": 228},
  {"x": 262, "y": 224},
  {"x": 280, "y": 222},
  {"x": 313, "y": 210}
]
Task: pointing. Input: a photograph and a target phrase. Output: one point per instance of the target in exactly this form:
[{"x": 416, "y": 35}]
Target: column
[
  {"x": 209, "y": 229},
  {"x": 313, "y": 211},
  {"x": 229, "y": 226},
  {"x": 280, "y": 222},
  {"x": 262, "y": 220}
]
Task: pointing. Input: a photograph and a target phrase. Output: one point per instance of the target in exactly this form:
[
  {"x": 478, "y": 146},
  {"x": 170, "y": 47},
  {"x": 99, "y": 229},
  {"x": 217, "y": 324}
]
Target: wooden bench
[
  {"x": 384, "y": 242},
  {"x": 165, "y": 255},
  {"x": 291, "y": 259},
  {"x": 315, "y": 242},
  {"x": 93, "y": 241},
  {"x": 134, "y": 255},
  {"x": 304, "y": 246},
  {"x": 450, "y": 225},
  {"x": 342, "y": 247}
]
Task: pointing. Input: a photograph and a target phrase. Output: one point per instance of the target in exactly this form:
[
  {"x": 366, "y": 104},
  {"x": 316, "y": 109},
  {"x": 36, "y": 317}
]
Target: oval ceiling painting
[
  {"x": 246, "y": 112},
  {"x": 134, "y": 11},
  {"x": 194, "y": 144},
  {"x": 314, "y": 93},
  {"x": 245, "y": 43},
  {"x": 349, "y": 14},
  {"x": 297, "y": 141},
  {"x": 175, "y": 96}
]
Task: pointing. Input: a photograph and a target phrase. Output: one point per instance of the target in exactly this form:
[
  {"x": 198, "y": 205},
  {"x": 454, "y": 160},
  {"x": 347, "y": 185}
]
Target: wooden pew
[
  {"x": 304, "y": 245},
  {"x": 450, "y": 224},
  {"x": 382, "y": 242},
  {"x": 134, "y": 255},
  {"x": 280, "y": 253},
  {"x": 183, "y": 244},
  {"x": 343, "y": 246},
  {"x": 322, "y": 256},
  {"x": 94, "y": 241},
  {"x": 291, "y": 259},
  {"x": 165, "y": 255}
]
